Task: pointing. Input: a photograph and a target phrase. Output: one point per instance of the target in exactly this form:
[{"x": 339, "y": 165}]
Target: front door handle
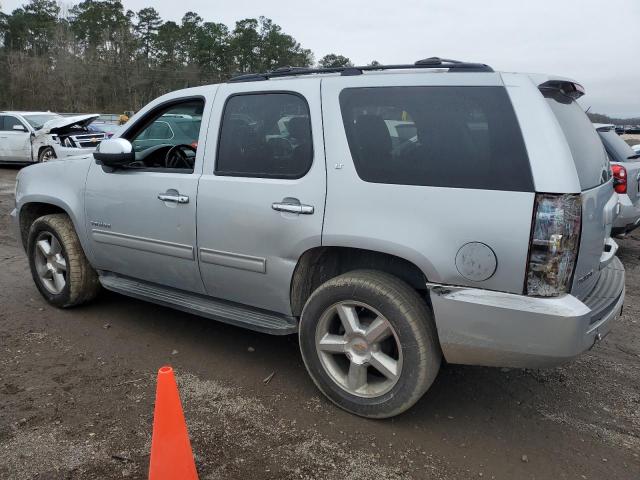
[
  {"x": 173, "y": 196},
  {"x": 292, "y": 205}
]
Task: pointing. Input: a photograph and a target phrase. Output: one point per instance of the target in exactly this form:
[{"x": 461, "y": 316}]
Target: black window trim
[{"x": 274, "y": 177}]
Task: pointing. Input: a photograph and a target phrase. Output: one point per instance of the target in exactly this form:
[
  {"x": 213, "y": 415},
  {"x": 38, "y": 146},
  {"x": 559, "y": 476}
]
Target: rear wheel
[
  {"x": 46, "y": 154},
  {"x": 58, "y": 265},
  {"x": 369, "y": 343}
]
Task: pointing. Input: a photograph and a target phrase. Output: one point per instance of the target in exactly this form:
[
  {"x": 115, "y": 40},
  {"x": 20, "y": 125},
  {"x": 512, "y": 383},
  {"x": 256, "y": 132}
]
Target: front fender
[{"x": 60, "y": 184}]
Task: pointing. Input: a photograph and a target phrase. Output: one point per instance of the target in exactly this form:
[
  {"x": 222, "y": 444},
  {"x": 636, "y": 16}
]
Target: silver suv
[{"x": 391, "y": 216}]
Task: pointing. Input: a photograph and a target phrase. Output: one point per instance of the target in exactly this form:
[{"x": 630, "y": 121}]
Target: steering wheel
[{"x": 176, "y": 156}]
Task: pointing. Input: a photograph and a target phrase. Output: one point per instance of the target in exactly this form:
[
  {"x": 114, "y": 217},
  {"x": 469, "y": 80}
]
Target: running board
[{"x": 234, "y": 314}]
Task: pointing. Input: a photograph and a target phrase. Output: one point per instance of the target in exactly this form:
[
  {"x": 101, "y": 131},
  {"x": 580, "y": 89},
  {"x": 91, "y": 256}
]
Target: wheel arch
[
  {"x": 32, "y": 210},
  {"x": 317, "y": 265}
]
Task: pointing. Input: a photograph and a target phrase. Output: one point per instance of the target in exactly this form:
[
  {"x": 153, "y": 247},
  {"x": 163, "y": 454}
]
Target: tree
[
  {"x": 99, "y": 25},
  {"x": 97, "y": 56},
  {"x": 333, "y": 60},
  {"x": 189, "y": 31},
  {"x": 32, "y": 27},
  {"x": 212, "y": 48},
  {"x": 146, "y": 28},
  {"x": 167, "y": 43},
  {"x": 244, "y": 45}
]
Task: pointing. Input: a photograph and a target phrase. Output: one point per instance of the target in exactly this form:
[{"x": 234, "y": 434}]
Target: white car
[
  {"x": 636, "y": 148},
  {"x": 30, "y": 137}
]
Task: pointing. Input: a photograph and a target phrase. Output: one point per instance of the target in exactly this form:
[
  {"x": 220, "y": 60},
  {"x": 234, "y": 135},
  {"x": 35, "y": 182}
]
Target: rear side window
[
  {"x": 587, "y": 150},
  {"x": 464, "y": 137},
  {"x": 265, "y": 135}
]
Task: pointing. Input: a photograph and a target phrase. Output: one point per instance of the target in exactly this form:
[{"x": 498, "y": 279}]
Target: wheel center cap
[{"x": 359, "y": 349}]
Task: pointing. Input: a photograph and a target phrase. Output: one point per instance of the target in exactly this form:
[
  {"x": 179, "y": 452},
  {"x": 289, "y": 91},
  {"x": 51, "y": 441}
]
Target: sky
[{"x": 596, "y": 42}]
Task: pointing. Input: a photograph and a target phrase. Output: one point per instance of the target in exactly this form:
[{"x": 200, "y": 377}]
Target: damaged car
[{"x": 31, "y": 137}]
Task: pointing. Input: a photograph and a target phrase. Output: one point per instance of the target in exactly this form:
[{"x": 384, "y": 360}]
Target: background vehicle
[
  {"x": 625, "y": 164},
  {"x": 27, "y": 137},
  {"x": 387, "y": 219}
]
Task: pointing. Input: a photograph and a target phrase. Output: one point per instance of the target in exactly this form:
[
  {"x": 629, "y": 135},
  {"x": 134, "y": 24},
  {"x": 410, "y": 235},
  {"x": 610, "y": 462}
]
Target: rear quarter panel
[{"x": 425, "y": 225}]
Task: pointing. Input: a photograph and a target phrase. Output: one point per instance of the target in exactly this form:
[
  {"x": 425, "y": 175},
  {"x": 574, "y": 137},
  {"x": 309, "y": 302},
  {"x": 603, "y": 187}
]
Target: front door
[
  {"x": 261, "y": 195},
  {"x": 15, "y": 140},
  {"x": 141, "y": 220}
]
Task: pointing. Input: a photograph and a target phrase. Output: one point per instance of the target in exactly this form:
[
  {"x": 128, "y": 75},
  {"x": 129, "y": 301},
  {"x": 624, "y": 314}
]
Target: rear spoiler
[{"x": 568, "y": 87}]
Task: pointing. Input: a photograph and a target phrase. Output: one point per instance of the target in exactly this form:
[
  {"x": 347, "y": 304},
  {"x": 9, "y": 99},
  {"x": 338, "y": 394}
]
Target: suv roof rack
[{"x": 431, "y": 62}]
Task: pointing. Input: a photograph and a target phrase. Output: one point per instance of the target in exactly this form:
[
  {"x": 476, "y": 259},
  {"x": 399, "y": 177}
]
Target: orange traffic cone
[{"x": 171, "y": 455}]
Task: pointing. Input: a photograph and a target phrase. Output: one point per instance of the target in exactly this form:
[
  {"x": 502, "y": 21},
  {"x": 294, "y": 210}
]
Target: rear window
[
  {"x": 617, "y": 148},
  {"x": 464, "y": 137},
  {"x": 587, "y": 150}
]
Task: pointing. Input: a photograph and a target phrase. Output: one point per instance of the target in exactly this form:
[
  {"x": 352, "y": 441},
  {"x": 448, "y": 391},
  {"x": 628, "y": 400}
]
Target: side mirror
[
  {"x": 19, "y": 128},
  {"x": 114, "y": 152}
]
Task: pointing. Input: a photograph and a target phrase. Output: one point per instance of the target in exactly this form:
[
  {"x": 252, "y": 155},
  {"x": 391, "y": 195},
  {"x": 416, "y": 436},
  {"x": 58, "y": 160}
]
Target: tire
[
  {"x": 413, "y": 343},
  {"x": 80, "y": 279},
  {"x": 46, "y": 154}
]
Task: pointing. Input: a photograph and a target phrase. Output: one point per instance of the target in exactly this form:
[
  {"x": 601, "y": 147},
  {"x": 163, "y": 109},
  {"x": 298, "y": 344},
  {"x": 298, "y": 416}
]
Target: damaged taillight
[{"x": 553, "y": 248}]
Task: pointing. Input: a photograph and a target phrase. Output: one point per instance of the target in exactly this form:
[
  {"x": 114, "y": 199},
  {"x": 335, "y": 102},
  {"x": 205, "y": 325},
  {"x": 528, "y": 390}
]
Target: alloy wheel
[
  {"x": 50, "y": 263},
  {"x": 359, "y": 349}
]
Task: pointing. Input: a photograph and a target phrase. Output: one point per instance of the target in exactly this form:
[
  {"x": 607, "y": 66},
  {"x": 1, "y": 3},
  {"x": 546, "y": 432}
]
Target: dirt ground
[{"x": 77, "y": 393}]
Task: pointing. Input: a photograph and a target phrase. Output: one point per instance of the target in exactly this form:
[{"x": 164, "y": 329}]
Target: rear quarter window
[
  {"x": 463, "y": 137},
  {"x": 587, "y": 150}
]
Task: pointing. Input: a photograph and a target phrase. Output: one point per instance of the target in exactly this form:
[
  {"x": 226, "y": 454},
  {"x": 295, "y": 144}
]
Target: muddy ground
[{"x": 77, "y": 392}]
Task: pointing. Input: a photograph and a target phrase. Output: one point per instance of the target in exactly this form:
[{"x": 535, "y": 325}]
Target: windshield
[
  {"x": 37, "y": 121},
  {"x": 616, "y": 147}
]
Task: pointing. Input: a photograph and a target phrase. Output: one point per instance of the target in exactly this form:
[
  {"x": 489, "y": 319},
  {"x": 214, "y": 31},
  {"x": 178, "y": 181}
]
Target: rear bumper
[{"x": 480, "y": 327}]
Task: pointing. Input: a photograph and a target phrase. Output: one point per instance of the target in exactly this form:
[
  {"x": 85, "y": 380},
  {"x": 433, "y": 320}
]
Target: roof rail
[{"x": 432, "y": 62}]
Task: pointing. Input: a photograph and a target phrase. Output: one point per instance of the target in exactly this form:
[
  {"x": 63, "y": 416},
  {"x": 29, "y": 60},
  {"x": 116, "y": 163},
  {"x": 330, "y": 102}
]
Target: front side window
[
  {"x": 462, "y": 137},
  {"x": 10, "y": 122},
  {"x": 265, "y": 135},
  {"x": 168, "y": 137}
]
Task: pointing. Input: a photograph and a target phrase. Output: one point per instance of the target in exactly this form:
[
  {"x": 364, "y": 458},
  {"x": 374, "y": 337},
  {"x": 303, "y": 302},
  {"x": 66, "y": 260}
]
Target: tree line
[
  {"x": 97, "y": 56},
  {"x": 602, "y": 118}
]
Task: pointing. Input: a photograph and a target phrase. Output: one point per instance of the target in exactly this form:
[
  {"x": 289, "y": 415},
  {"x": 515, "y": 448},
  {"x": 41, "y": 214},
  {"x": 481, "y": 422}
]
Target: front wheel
[
  {"x": 46, "y": 154},
  {"x": 369, "y": 342},
  {"x": 58, "y": 265}
]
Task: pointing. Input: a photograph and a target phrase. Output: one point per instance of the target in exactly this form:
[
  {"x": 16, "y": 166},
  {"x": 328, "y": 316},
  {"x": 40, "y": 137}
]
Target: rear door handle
[
  {"x": 292, "y": 205},
  {"x": 173, "y": 197}
]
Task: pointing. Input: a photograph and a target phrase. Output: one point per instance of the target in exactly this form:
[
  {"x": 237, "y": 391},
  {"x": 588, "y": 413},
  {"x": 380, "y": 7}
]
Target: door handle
[
  {"x": 173, "y": 197},
  {"x": 292, "y": 205}
]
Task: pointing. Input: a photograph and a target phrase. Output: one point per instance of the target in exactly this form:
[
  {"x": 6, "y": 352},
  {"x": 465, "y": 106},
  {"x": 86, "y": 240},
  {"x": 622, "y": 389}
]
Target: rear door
[
  {"x": 262, "y": 192},
  {"x": 598, "y": 198}
]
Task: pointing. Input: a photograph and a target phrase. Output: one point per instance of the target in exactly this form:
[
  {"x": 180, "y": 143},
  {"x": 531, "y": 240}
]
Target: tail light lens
[
  {"x": 619, "y": 178},
  {"x": 553, "y": 248}
]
